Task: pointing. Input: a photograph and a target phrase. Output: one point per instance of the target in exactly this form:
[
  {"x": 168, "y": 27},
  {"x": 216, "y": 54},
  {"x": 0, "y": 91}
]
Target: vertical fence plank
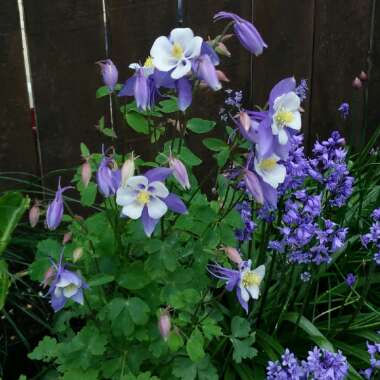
[
  {"x": 65, "y": 38},
  {"x": 340, "y": 52},
  {"x": 17, "y": 152},
  {"x": 287, "y": 28}
]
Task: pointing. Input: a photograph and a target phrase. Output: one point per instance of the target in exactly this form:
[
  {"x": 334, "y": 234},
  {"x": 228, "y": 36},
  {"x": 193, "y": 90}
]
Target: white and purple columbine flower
[
  {"x": 108, "y": 177},
  {"x": 54, "y": 212},
  {"x": 146, "y": 197},
  {"x": 245, "y": 31},
  {"x": 109, "y": 73},
  {"x": 245, "y": 280},
  {"x": 176, "y": 53},
  {"x": 65, "y": 285}
]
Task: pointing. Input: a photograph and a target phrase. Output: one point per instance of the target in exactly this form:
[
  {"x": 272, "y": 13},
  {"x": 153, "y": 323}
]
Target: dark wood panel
[
  {"x": 65, "y": 38},
  {"x": 17, "y": 152},
  {"x": 340, "y": 53},
  {"x": 287, "y": 28}
]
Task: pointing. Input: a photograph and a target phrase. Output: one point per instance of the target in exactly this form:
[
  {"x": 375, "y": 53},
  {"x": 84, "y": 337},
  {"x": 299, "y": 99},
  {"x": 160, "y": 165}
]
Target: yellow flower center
[
  {"x": 149, "y": 62},
  {"x": 268, "y": 164},
  {"x": 284, "y": 117},
  {"x": 177, "y": 51},
  {"x": 143, "y": 197},
  {"x": 71, "y": 287},
  {"x": 250, "y": 278}
]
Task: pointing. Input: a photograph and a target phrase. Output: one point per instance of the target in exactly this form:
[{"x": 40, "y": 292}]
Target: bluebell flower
[
  {"x": 288, "y": 368},
  {"x": 350, "y": 280},
  {"x": 344, "y": 110},
  {"x": 245, "y": 233},
  {"x": 372, "y": 238}
]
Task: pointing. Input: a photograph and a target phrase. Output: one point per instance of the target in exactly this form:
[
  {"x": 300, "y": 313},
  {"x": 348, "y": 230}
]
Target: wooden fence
[{"x": 327, "y": 42}]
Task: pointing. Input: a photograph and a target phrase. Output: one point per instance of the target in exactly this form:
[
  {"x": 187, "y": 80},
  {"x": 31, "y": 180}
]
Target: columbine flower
[
  {"x": 247, "y": 34},
  {"x": 109, "y": 73},
  {"x": 179, "y": 172},
  {"x": 54, "y": 213},
  {"x": 344, "y": 110},
  {"x": 350, "y": 280},
  {"x": 146, "y": 197},
  {"x": 205, "y": 70},
  {"x": 245, "y": 280},
  {"x": 66, "y": 285},
  {"x": 270, "y": 170},
  {"x": 176, "y": 52},
  {"x": 108, "y": 176}
]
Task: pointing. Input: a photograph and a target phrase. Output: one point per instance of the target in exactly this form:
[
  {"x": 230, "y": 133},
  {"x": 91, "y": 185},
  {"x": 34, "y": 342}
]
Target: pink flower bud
[
  {"x": 221, "y": 49},
  {"x": 77, "y": 254},
  {"x": 221, "y": 76},
  {"x": 86, "y": 173},
  {"x": 233, "y": 254},
  {"x": 127, "y": 170},
  {"x": 67, "y": 237},
  {"x": 245, "y": 121},
  {"x": 253, "y": 186},
  {"x": 48, "y": 277},
  {"x": 179, "y": 172},
  {"x": 34, "y": 214},
  {"x": 357, "y": 83},
  {"x": 164, "y": 325},
  {"x": 363, "y": 76}
]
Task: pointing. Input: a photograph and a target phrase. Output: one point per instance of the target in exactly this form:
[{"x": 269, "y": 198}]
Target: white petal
[
  {"x": 70, "y": 290},
  {"x": 183, "y": 67},
  {"x": 58, "y": 292},
  {"x": 182, "y": 36},
  {"x": 125, "y": 196},
  {"x": 274, "y": 126},
  {"x": 275, "y": 176},
  {"x": 193, "y": 49},
  {"x": 156, "y": 208},
  {"x": 133, "y": 210},
  {"x": 254, "y": 292},
  {"x": 161, "y": 54},
  {"x": 136, "y": 182},
  {"x": 289, "y": 101},
  {"x": 158, "y": 189},
  {"x": 260, "y": 271},
  {"x": 244, "y": 293},
  {"x": 282, "y": 136},
  {"x": 134, "y": 66},
  {"x": 296, "y": 122}
]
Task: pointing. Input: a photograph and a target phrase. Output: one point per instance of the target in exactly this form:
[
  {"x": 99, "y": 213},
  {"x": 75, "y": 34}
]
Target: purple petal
[
  {"x": 163, "y": 79},
  {"x": 284, "y": 86},
  {"x": 270, "y": 194},
  {"x": 175, "y": 204},
  {"x": 78, "y": 297},
  {"x": 128, "y": 88},
  {"x": 185, "y": 93},
  {"x": 241, "y": 301},
  {"x": 158, "y": 174},
  {"x": 148, "y": 222},
  {"x": 207, "y": 49},
  {"x": 226, "y": 15},
  {"x": 57, "y": 303},
  {"x": 264, "y": 138}
]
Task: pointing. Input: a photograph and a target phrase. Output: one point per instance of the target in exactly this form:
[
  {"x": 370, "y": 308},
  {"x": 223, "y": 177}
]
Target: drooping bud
[
  {"x": 205, "y": 71},
  {"x": 67, "y": 237},
  {"x": 179, "y": 172},
  {"x": 77, "y": 254},
  {"x": 34, "y": 214},
  {"x": 363, "y": 76},
  {"x": 127, "y": 170},
  {"x": 48, "y": 277},
  {"x": 164, "y": 324},
  {"x": 357, "y": 83},
  {"x": 141, "y": 91},
  {"x": 108, "y": 177},
  {"x": 245, "y": 121},
  {"x": 221, "y": 76},
  {"x": 109, "y": 73},
  {"x": 86, "y": 173},
  {"x": 253, "y": 186},
  {"x": 221, "y": 49},
  {"x": 233, "y": 254}
]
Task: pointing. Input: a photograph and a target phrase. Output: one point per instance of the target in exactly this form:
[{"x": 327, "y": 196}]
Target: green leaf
[
  {"x": 243, "y": 349},
  {"x": 188, "y": 157},
  {"x": 210, "y": 328},
  {"x": 222, "y": 157},
  {"x": 47, "y": 350},
  {"x": 137, "y": 122},
  {"x": 197, "y": 125},
  {"x": 109, "y": 132},
  {"x": 5, "y": 282},
  {"x": 139, "y": 310},
  {"x": 101, "y": 279},
  {"x": 184, "y": 369},
  {"x": 175, "y": 341},
  {"x": 12, "y": 208},
  {"x": 102, "y": 91},
  {"x": 84, "y": 150},
  {"x": 134, "y": 277},
  {"x": 194, "y": 346},
  {"x": 169, "y": 105},
  {"x": 88, "y": 194},
  {"x": 240, "y": 327},
  {"x": 75, "y": 374},
  {"x": 214, "y": 144}
]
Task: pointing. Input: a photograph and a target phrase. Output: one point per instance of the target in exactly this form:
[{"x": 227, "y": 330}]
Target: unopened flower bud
[
  {"x": 179, "y": 172},
  {"x": 127, "y": 170},
  {"x": 245, "y": 121},
  {"x": 48, "y": 277},
  {"x": 221, "y": 76},
  {"x": 357, "y": 83},
  {"x": 77, "y": 254},
  {"x": 67, "y": 237},
  {"x": 233, "y": 254},
  {"x": 34, "y": 214},
  {"x": 363, "y": 76},
  {"x": 86, "y": 173},
  {"x": 221, "y": 49},
  {"x": 205, "y": 71},
  {"x": 164, "y": 325},
  {"x": 253, "y": 186},
  {"x": 109, "y": 73}
]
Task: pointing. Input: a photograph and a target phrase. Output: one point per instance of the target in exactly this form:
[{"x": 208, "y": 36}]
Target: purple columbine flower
[
  {"x": 205, "y": 70},
  {"x": 146, "y": 197},
  {"x": 108, "y": 177},
  {"x": 54, "y": 212},
  {"x": 344, "y": 110},
  {"x": 350, "y": 280},
  {"x": 109, "y": 73},
  {"x": 245, "y": 280},
  {"x": 245, "y": 31},
  {"x": 64, "y": 286}
]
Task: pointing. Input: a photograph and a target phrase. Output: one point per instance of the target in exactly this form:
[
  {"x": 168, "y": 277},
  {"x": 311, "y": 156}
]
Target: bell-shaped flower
[
  {"x": 205, "y": 70},
  {"x": 245, "y": 281},
  {"x": 108, "y": 177},
  {"x": 245, "y": 31},
  {"x": 176, "y": 53},
  {"x": 270, "y": 170},
  {"x": 109, "y": 73},
  {"x": 179, "y": 172},
  {"x": 65, "y": 285},
  {"x": 146, "y": 197},
  {"x": 54, "y": 212}
]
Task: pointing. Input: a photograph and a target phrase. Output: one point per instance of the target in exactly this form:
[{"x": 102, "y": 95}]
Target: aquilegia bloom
[
  {"x": 65, "y": 285},
  {"x": 108, "y": 177},
  {"x": 109, "y": 73},
  {"x": 176, "y": 53},
  {"x": 245, "y": 280},
  {"x": 54, "y": 212},
  {"x": 247, "y": 34},
  {"x": 146, "y": 197}
]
